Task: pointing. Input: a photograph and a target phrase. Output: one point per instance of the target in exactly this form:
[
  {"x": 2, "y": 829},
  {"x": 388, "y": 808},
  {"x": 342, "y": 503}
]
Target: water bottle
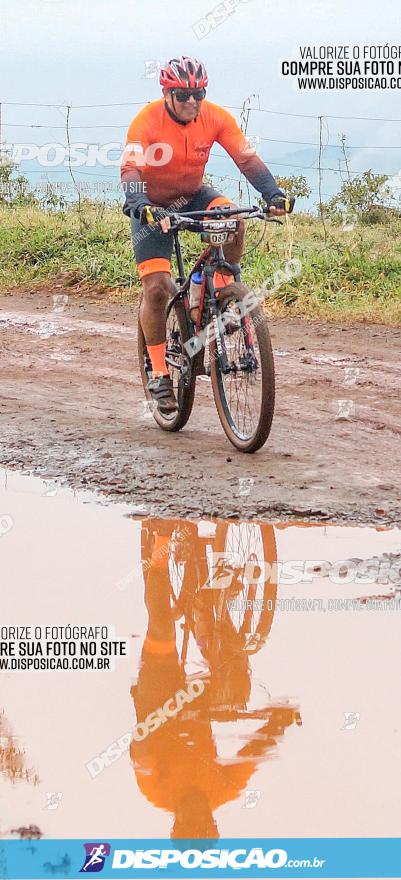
[{"x": 195, "y": 288}]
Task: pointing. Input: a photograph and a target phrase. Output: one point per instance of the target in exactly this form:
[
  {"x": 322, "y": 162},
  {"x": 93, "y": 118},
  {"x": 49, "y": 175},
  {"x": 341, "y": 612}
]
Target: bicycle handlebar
[
  {"x": 223, "y": 211},
  {"x": 195, "y": 218}
]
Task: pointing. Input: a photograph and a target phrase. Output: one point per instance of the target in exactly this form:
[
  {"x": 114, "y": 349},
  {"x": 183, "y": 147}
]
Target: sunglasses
[{"x": 184, "y": 95}]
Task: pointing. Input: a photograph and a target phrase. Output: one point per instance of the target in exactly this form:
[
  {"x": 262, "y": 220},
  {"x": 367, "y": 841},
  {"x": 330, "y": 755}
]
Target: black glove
[
  {"x": 133, "y": 200},
  {"x": 281, "y": 201}
]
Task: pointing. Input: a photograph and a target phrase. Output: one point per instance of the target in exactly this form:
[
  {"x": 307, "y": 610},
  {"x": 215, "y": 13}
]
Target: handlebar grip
[
  {"x": 289, "y": 204},
  {"x": 147, "y": 217},
  {"x": 282, "y": 202}
]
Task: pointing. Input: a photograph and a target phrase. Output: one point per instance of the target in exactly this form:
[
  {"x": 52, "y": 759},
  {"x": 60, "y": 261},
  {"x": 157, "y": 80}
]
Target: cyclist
[
  {"x": 167, "y": 147},
  {"x": 179, "y": 767}
]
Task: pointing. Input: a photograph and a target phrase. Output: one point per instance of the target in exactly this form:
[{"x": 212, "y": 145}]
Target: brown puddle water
[{"x": 293, "y": 728}]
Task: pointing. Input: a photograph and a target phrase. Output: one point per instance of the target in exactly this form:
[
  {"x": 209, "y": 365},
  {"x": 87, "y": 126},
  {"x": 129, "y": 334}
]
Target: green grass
[{"x": 354, "y": 275}]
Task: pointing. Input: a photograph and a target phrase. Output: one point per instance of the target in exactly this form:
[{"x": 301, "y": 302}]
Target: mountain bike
[
  {"x": 223, "y": 604},
  {"x": 231, "y": 329},
  {"x": 218, "y": 578}
]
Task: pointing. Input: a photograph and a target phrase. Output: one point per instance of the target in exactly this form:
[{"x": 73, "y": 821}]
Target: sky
[{"x": 107, "y": 51}]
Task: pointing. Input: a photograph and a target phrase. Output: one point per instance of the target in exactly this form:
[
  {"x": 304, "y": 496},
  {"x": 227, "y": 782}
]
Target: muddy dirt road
[{"x": 71, "y": 409}]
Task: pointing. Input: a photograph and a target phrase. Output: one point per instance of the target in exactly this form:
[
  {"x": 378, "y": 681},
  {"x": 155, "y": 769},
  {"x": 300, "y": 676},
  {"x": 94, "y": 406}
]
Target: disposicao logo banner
[{"x": 295, "y": 857}]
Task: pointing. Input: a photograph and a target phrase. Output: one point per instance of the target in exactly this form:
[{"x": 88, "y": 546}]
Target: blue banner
[{"x": 262, "y": 857}]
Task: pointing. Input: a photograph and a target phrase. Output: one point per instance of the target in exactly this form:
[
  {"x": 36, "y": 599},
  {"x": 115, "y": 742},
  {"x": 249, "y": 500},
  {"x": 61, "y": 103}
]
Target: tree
[
  {"x": 294, "y": 185},
  {"x": 13, "y": 190},
  {"x": 361, "y": 196}
]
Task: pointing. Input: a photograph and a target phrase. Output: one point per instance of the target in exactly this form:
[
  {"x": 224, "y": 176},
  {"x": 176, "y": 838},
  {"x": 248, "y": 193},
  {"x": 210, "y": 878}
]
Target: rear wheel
[
  {"x": 244, "y": 396},
  {"x": 180, "y": 369}
]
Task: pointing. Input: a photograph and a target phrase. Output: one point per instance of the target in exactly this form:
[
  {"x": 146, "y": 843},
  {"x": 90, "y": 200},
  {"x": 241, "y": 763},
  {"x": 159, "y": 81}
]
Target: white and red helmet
[{"x": 183, "y": 73}]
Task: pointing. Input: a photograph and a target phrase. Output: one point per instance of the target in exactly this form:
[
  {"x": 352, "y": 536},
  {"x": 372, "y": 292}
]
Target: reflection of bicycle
[
  {"x": 240, "y": 354},
  {"x": 192, "y": 573},
  {"x": 220, "y": 583}
]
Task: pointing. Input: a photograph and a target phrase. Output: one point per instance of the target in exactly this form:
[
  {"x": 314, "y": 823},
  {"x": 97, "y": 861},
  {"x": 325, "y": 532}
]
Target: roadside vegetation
[{"x": 350, "y": 251}]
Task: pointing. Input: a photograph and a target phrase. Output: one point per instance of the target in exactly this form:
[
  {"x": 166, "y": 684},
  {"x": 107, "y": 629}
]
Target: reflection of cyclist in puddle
[{"x": 177, "y": 765}]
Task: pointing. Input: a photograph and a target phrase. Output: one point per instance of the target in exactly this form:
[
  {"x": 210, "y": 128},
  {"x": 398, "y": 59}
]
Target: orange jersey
[
  {"x": 165, "y": 779},
  {"x": 170, "y": 157},
  {"x": 168, "y": 765}
]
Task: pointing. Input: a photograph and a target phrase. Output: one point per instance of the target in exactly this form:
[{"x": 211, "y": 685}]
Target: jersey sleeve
[
  {"x": 237, "y": 145},
  {"x": 133, "y": 162}
]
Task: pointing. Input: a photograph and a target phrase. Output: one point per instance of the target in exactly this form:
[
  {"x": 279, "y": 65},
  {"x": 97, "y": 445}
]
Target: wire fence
[{"x": 319, "y": 172}]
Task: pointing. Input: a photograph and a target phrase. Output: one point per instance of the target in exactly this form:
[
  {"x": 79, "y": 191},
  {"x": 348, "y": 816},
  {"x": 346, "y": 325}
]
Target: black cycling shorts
[{"x": 152, "y": 247}]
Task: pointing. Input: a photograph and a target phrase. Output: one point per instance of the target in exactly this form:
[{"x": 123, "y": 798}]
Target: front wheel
[
  {"x": 244, "y": 393},
  {"x": 179, "y": 366}
]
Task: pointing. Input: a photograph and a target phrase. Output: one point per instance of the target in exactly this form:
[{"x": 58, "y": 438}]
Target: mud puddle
[
  {"x": 258, "y": 695},
  {"x": 72, "y": 408},
  {"x": 58, "y": 325}
]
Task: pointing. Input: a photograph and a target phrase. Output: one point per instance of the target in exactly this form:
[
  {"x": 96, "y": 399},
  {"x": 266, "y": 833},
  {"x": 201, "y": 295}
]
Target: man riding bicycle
[{"x": 167, "y": 147}]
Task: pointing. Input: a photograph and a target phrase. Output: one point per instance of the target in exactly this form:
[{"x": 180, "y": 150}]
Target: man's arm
[
  {"x": 266, "y": 736},
  {"x": 236, "y": 144},
  {"x": 133, "y": 164}
]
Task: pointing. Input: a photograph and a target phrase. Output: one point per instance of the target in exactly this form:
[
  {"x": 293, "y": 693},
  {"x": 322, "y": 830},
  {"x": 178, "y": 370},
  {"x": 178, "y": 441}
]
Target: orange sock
[
  {"x": 220, "y": 280},
  {"x": 157, "y": 354}
]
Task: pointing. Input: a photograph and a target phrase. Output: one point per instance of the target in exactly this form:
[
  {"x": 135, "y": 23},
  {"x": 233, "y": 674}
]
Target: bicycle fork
[{"x": 218, "y": 262}]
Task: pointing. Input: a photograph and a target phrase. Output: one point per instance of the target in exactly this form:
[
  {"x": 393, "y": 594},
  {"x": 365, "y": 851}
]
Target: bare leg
[{"x": 157, "y": 289}]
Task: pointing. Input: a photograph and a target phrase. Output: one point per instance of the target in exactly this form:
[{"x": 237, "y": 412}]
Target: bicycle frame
[{"x": 210, "y": 260}]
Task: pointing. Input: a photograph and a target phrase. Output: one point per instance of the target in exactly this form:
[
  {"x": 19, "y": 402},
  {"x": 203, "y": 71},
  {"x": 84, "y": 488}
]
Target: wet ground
[
  {"x": 285, "y": 637},
  {"x": 72, "y": 409}
]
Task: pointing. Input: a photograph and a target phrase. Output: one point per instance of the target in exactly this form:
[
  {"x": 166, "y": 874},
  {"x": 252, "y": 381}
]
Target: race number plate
[
  {"x": 218, "y": 237},
  {"x": 219, "y": 231}
]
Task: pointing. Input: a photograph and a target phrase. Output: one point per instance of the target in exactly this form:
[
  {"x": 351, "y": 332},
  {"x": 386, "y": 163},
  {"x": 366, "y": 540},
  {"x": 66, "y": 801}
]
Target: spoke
[
  {"x": 243, "y": 389},
  {"x": 244, "y": 544},
  {"x": 174, "y": 356}
]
